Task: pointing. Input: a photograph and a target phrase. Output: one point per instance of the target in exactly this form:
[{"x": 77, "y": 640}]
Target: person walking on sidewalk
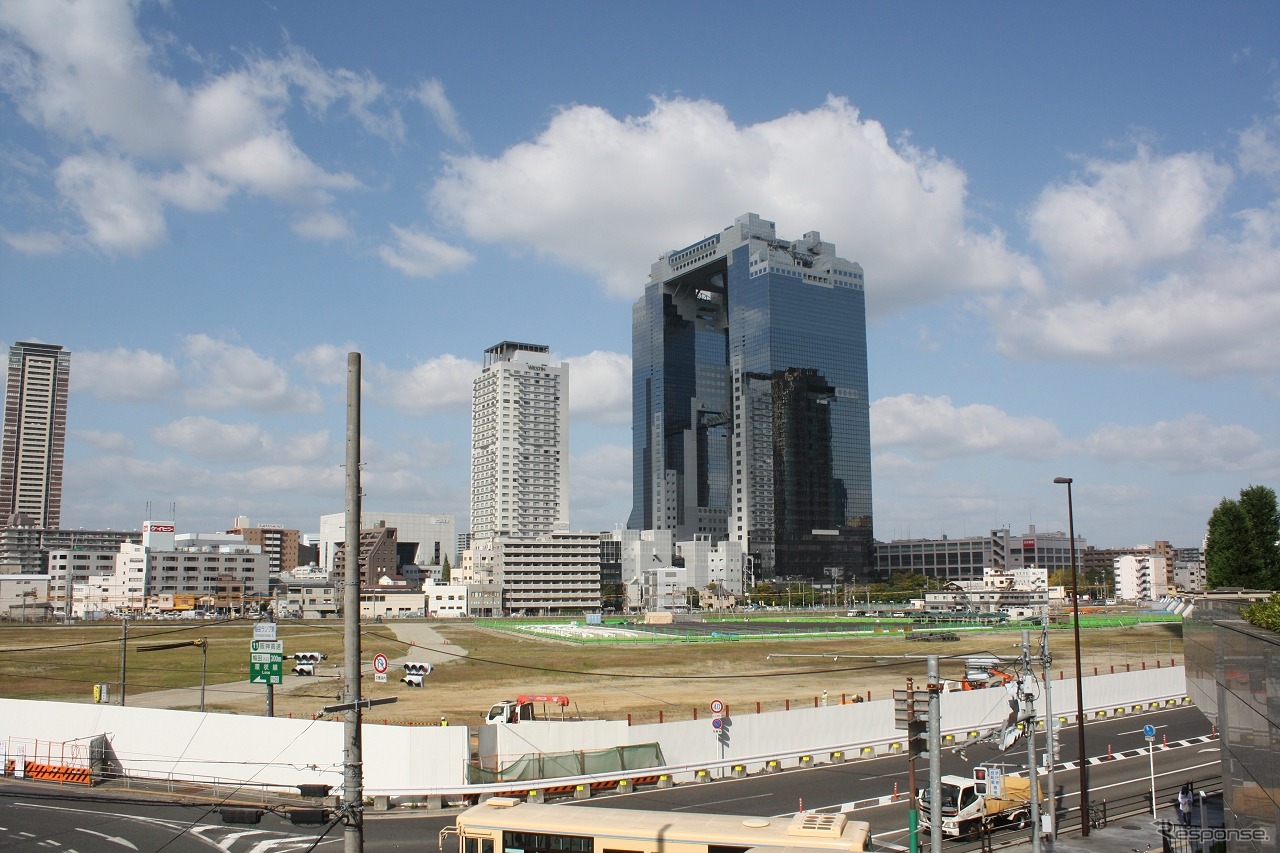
[{"x": 1185, "y": 798}]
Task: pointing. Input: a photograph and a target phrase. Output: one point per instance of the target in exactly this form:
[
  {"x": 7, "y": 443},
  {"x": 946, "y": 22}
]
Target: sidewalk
[{"x": 1134, "y": 834}]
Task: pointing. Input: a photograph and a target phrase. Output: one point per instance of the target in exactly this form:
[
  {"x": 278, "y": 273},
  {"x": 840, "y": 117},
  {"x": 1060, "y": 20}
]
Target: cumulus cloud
[
  {"x": 121, "y": 375},
  {"x": 598, "y": 387},
  {"x": 1212, "y": 313},
  {"x": 140, "y": 141},
  {"x": 440, "y": 384},
  {"x": 592, "y": 180},
  {"x": 326, "y": 363},
  {"x": 419, "y": 255},
  {"x": 226, "y": 376},
  {"x": 1192, "y": 444},
  {"x": 211, "y": 439},
  {"x": 935, "y": 428},
  {"x": 1127, "y": 216},
  {"x": 431, "y": 95}
]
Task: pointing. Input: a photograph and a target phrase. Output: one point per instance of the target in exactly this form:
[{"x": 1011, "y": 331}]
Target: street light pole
[{"x": 1083, "y": 757}]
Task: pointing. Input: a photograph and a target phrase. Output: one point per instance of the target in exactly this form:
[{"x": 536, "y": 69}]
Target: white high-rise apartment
[
  {"x": 519, "y": 445},
  {"x": 35, "y": 430}
]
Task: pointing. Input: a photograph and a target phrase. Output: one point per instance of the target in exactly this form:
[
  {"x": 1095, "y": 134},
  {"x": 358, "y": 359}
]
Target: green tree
[
  {"x": 445, "y": 570},
  {"x": 1242, "y": 548}
]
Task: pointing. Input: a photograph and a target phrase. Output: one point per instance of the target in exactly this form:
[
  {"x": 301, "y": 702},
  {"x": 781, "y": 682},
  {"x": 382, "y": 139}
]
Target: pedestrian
[
  {"x": 1185, "y": 798},
  {"x": 443, "y": 721}
]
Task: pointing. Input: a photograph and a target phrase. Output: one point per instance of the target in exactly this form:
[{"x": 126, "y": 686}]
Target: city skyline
[{"x": 1069, "y": 224}]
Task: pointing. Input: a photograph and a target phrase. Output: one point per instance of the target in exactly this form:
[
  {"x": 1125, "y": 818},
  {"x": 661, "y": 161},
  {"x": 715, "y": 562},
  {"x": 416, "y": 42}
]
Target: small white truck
[
  {"x": 988, "y": 796},
  {"x": 522, "y": 708}
]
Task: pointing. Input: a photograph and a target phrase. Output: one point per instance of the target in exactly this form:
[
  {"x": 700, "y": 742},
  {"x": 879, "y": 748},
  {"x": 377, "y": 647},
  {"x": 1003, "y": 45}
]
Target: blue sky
[{"x": 1069, "y": 219}]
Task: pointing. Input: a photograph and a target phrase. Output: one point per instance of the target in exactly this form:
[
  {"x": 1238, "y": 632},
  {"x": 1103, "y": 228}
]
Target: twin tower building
[{"x": 750, "y": 414}]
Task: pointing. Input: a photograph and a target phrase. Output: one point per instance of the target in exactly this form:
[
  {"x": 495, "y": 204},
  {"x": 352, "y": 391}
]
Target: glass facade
[
  {"x": 1233, "y": 676},
  {"x": 750, "y": 407}
]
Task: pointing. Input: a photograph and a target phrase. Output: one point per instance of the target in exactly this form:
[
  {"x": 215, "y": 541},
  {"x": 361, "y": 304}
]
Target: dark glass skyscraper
[{"x": 750, "y": 414}]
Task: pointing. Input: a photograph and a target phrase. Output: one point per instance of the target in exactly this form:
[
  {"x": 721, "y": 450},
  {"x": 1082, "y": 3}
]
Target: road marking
[
  {"x": 114, "y": 839},
  {"x": 718, "y": 802}
]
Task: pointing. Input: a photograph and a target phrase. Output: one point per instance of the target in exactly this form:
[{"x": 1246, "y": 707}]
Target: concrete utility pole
[
  {"x": 935, "y": 755},
  {"x": 353, "y": 768},
  {"x": 1050, "y": 738},
  {"x": 1030, "y": 722}
]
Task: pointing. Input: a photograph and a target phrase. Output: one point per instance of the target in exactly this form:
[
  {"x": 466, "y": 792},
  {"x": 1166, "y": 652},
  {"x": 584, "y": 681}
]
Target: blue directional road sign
[{"x": 1149, "y": 731}]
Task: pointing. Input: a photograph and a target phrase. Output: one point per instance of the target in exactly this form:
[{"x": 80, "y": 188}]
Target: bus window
[
  {"x": 542, "y": 842},
  {"x": 477, "y": 845},
  {"x": 725, "y": 848}
]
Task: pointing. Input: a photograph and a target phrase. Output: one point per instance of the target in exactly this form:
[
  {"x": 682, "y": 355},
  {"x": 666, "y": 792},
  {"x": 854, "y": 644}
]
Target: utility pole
[
  {"x": 935, "y": 756},
  {"x": 1029, "y": 718},
  {"x": 124, "y": 646},
  {"x": 353, "y": 769},
  {"x": 1050, "y": 734}
]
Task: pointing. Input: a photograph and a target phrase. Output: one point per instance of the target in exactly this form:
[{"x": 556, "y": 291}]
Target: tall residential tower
[
  {"x": 35, "y": 431},
  {"x": 519, "y": 445},
  {"x": 750, "y": 415}
]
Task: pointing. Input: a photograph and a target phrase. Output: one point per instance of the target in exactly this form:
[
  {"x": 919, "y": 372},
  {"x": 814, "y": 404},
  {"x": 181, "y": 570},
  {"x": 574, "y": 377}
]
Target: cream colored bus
[{"x": 506, "y": 825}]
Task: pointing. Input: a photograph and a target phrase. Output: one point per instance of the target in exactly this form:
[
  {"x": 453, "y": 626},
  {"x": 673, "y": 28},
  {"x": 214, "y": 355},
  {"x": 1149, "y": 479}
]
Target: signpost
[
  {"x": 1149, "y": 731},
  {"x": 380, "y": 668}
]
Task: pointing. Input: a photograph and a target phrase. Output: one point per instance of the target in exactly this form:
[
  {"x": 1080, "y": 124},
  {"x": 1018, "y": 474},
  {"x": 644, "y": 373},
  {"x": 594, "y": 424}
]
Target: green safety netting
[{"x": 552, "y": 765}]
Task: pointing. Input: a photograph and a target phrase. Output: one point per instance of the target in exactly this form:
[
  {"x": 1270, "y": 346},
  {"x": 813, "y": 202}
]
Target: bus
[{"x": 509, "y": 825}]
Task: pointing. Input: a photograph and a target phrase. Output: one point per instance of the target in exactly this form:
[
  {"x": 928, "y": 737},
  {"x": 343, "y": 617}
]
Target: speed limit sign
[{"x": 717, "y": 707}]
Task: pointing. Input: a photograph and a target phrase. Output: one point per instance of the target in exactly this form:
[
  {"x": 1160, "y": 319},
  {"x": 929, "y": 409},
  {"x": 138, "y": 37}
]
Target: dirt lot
[{"x": 475, "y": 667}]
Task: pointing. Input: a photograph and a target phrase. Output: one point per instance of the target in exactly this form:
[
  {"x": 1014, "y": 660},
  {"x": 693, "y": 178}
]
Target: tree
[
  {"x": 445, "y": 571},
  {"x": 1243, "y": 546}
]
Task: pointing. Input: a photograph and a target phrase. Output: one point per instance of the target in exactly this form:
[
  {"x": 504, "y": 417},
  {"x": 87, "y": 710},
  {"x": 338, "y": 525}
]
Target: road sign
[
  {"x": 1149, "y": 731},
  {"x": 264, "y": 630},
  {"x": 269, "y": 671},
  {"x": 380, "y": 663},
  {"x": 717, "y": 707},
  {"x": 265, "y": 660},
  {"x": 717, "y": 723}
]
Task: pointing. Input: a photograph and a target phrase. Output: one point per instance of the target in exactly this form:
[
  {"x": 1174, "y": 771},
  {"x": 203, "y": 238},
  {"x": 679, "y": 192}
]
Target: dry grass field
[{"x": 604, "y": 681}]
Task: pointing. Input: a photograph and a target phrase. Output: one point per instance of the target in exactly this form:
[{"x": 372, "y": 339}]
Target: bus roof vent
[
  {"x": 817, "y": 825},
  {"x": 502, "y": 802}
]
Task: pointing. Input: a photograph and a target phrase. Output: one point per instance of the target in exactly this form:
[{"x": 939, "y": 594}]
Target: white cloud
[
  {"x": 598, "y": 387},
  {"x": 315, "y": 481},
  {"x": 1215, "y": 316},
  {"x": 321, "y": 225},
  {"x": 36, "y": 242},
  {"x": 121, "y": 375},
  {"x": 107, "y": 442},
  {"x": 1128, "y": 216},
  {"x": 82, "y": 72},
  {"x": 227, "y": 376},
  {"x": 442, "y": 383},
  {"x": 590, "y": 180},
  {"x": 211, "y": 439},
  {"x": 1192, "y": 444},
  {"x": 326, "y": 363},
  {"x": 935, "y": 428},
  {"x": 431, "y": 95},
  {"x": 600, "y": 487},
  {"x": 1259, "y": 153},
  {"x": 420, "y": 255}
]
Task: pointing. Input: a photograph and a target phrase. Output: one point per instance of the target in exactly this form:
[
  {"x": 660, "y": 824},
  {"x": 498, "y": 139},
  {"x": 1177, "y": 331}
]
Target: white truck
[
  {"x": 521, "y": 708},
  {"x": 988, "y": 797}
]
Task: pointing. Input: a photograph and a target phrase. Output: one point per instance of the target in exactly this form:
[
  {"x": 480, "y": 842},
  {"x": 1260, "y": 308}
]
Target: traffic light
[
  {"x": 980, "y": 780},
  {"x": 305, "y": 662},
  {"x": 414, "y": 673},
  {"x": 911, "y": 712},
  {"x": 307, "y": 817},
  {"x": 240, "y": 815}
]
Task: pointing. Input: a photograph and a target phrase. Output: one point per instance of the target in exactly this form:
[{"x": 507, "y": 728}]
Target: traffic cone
[{"x": 895, "y": 791}]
